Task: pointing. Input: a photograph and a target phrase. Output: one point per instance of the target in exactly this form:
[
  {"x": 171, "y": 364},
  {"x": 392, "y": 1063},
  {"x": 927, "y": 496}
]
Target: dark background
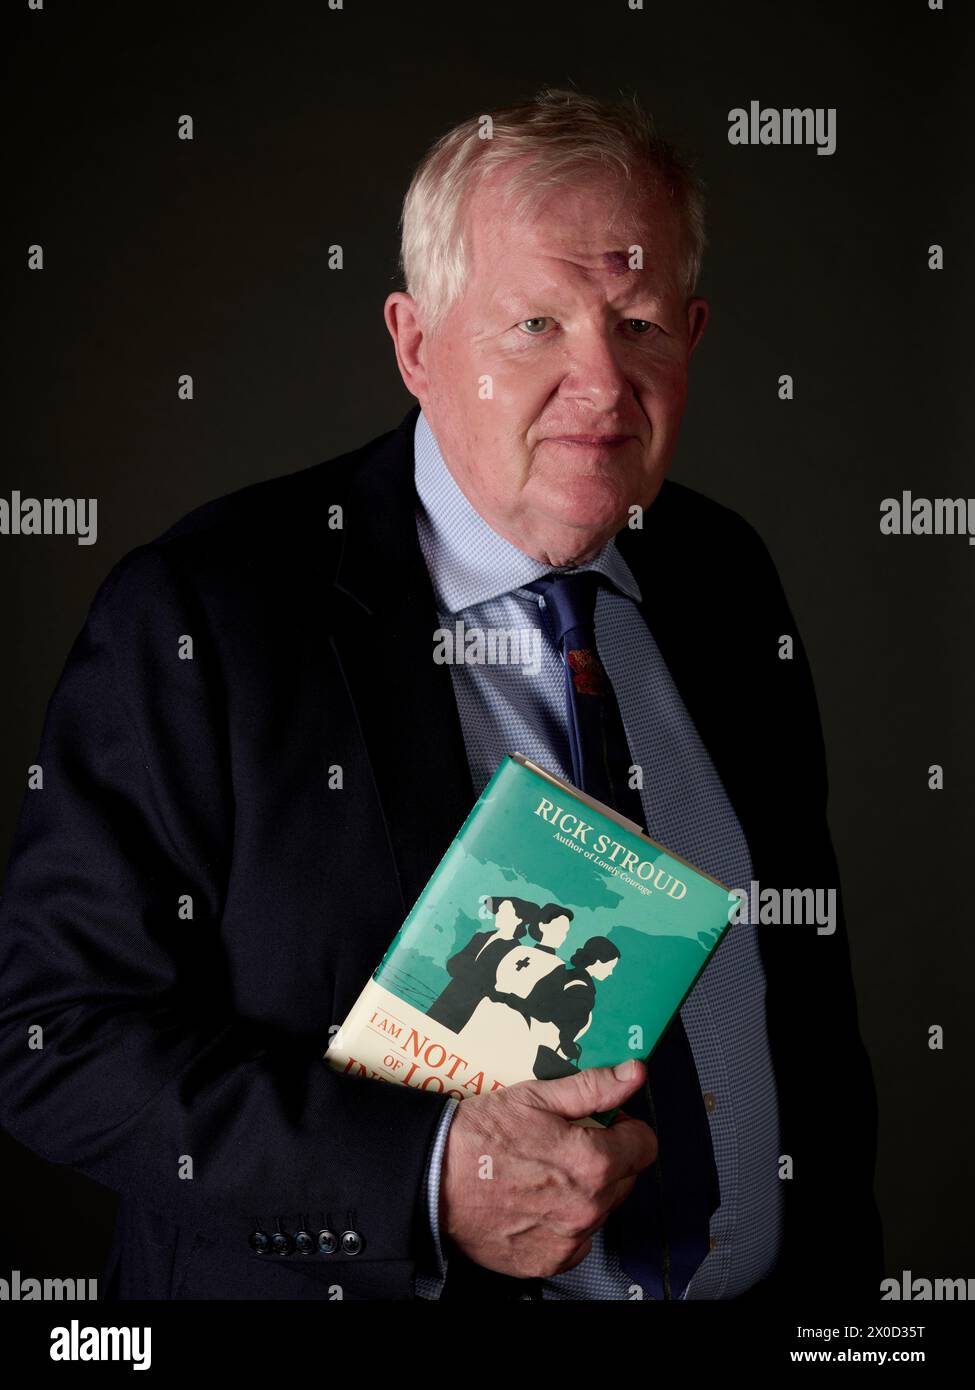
[{"x": 209, "y": 257}]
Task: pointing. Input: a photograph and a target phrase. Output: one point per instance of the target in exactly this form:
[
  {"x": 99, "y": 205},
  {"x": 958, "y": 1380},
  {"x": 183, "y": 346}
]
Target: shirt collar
[{"x": 468, "y": 561}]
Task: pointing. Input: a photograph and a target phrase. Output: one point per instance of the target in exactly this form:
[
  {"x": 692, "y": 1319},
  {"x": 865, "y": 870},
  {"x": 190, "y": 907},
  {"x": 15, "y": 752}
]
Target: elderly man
[{"x": 252, "y": 764}]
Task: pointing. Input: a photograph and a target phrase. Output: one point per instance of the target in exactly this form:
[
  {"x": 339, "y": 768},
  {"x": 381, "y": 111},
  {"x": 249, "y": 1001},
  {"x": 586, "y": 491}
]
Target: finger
[
  {"x": 609, "y": 1198},
  {"x": 617, "y": 1193},
  {"x": 586, "y": 1092},
  {"x": 628, "y": 1143},
  {"x": 577, "y": 1258}
]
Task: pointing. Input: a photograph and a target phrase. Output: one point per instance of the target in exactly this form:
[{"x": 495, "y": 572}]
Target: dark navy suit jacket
[{"x": 182, "y": 1055}]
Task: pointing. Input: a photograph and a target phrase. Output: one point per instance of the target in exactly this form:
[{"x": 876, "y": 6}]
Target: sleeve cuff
[{"x": 431, "y": 1285}]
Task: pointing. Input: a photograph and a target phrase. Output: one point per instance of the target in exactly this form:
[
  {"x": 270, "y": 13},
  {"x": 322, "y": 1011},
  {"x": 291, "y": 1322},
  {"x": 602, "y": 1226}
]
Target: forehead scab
[{"x": 616, "y": 262}]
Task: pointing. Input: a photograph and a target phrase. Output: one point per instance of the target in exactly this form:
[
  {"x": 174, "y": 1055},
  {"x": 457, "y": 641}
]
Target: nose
[{"x": 594, "y": 371}]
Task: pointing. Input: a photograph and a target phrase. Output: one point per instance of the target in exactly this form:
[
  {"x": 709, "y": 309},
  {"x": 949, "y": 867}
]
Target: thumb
[{"x": 587, "y": 1092}]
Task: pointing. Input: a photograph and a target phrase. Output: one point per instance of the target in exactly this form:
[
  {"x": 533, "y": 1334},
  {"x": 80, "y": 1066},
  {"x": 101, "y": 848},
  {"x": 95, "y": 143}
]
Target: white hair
[{"x": 557, "y": 139}]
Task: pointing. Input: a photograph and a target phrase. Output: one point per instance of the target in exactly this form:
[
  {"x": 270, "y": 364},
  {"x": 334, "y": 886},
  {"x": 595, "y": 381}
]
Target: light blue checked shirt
[{"x": 478, "y": 578}]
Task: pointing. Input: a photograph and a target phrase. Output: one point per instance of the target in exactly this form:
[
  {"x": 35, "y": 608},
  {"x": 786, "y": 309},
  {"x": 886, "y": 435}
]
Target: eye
[{"x": 535, "y": 327}]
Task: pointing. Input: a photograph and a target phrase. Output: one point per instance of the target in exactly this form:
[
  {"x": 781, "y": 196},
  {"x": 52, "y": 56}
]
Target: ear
[
  {"x": 402, "y": 320},
  {"x": 698, "y": 312}
]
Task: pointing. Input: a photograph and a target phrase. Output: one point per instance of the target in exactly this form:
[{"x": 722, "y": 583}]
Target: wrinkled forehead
[{"x": 593, "y": 225}]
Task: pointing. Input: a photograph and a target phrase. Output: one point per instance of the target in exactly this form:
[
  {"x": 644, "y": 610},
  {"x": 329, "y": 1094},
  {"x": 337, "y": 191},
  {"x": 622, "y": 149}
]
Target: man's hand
[{"x": 550, "y": 1184}]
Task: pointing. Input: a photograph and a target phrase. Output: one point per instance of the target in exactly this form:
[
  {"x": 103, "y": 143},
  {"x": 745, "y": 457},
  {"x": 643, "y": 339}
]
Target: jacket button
[
  {"x": 259, "y": 1242},
  {"x": 326, "y": 1242},
  {"x": 304, "y": 1244},
  {"x": 281, "y": 1243},
  {"x": 351, "y": 1242}
]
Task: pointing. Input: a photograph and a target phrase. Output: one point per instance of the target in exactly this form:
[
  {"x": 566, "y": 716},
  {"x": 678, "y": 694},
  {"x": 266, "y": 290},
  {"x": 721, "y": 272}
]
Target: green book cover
[{"x": 554, "y": 935}]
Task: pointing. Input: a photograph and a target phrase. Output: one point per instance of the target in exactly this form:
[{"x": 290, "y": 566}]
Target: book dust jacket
[{"x": 553, "y": 936}]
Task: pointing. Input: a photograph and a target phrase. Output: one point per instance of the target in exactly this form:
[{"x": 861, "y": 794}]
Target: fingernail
[{"x": 625, "y": 1071}]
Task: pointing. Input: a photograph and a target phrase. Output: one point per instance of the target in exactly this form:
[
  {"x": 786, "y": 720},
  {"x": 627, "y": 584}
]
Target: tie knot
[{"x": 570, "y": 603}]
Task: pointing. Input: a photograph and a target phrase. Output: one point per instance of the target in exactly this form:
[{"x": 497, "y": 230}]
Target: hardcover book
[{"x": 554, "y": 935}]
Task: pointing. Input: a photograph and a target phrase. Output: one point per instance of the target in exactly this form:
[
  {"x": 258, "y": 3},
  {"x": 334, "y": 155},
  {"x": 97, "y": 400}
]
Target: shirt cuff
[{"x": 431, "y": 1286}]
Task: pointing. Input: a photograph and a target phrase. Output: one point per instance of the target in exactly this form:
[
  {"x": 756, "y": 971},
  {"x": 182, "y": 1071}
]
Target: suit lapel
[{"x": 384, "y": 619}]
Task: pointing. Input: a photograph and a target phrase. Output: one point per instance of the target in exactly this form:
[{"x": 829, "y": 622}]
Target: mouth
[{"x": 592, "y": 441}]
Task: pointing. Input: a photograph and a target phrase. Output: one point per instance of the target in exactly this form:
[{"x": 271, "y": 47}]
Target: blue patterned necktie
[{"x": 661, "y": 1231}]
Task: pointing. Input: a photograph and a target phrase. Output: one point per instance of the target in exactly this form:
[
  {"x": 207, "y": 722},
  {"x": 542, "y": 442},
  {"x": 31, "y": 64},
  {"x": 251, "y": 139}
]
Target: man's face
[{"x": 555, "y": 341}]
